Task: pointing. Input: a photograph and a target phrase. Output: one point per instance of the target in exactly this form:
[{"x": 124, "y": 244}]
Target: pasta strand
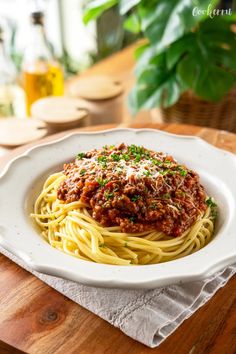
[{"x": 71, "y": 229}]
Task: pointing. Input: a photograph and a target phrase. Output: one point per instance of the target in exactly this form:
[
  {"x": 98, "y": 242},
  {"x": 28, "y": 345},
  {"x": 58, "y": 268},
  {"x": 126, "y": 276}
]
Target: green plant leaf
[
  {"x": 166, "y": 21},
  {"x": 182, "y": 51},
  {"x": 95, "y": 8},
  {"x": 190, "y": 69},
  {"x": 225, "y": 58},
  {"x": 132, "y": 23},
  {"x": 209, "y": 64},
  {"x": 215, "y": 84},
  {"x": 153, "y": 76},
  {"x": 220, "y": 42},
  {"x": 177, "y": 49},
  {"x": 140, "y": 50},
  {"x": 229, "y": 18},
  {"x": 156, "y": 86},
  {"x": 148, "y": 55},
  {"x": 165, "y": 95},
  {"x": 126, "y": 5},
  {"x": 217, "y": 24}
]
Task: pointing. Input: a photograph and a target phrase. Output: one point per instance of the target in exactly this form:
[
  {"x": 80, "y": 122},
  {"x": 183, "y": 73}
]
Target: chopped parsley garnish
[
  {"x": 132, "y": 219},
  {"x": 153, "y": 206},
  {"x": 210, "y": 202},
  {"x": 102, "y": 160},
  {"x": 134, "y": 149},
  {"x": 108, "y": 195},
  {"x": 147, "y": 173},
  {"x": 138, "y": 152},
  {"x": 182, "y": 171},
  {"x": 214, "y": 213},
  {"x": 137, "y": 158},
  {"x": 115, "y": 157},
  {"x": 167, "y": 161},
  {"x": 166, "y": 196},
  {"x": 171, "y": 172},
  {"x": 80, "y": 155},
  {"x": 126, "y": 157},
  {"x": 134, "y": 198},
  {"x": 102, "y": 182},
  {"x": 82, "y": 172},
  {"x": 156, "y": 162}
]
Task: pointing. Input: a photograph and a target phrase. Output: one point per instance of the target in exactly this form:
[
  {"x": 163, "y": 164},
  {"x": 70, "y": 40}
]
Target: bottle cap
[
  {"x": 16, "y": 131},
  {"x": 37, "y": 17},
  {"x": 96, "y": 88},
  {"x": 36, "y": 10},
  {"x": 58, "y": 110}
]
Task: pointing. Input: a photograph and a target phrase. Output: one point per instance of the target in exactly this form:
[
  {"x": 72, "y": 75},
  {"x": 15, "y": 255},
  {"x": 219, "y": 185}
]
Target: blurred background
[
  {"x": 75, "y": 44},
  {"x": 185, "y": 63}
]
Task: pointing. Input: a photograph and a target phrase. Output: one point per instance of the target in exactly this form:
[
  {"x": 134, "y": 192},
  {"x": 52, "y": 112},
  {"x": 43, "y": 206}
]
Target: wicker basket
[{"x": 193, "y": 110}]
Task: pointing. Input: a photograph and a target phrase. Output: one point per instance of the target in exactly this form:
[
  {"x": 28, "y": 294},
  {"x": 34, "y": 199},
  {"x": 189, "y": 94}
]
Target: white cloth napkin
[{"x": 148, "y": 316}]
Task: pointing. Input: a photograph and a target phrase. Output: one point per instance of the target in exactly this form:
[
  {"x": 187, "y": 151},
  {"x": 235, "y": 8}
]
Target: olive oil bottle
[{"x": 42, "y": 74}]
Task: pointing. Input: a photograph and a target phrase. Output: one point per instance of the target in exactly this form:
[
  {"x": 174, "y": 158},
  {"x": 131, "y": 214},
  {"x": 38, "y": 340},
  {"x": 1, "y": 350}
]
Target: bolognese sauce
[{"x": 135, "y": 188}]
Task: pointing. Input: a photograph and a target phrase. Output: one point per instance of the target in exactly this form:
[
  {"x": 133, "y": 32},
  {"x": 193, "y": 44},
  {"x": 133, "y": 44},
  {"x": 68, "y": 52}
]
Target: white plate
[{"x": 22, "y": 180}]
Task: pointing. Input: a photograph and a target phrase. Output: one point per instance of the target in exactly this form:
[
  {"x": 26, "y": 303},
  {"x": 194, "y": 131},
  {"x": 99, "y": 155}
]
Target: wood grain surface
[{"x": 37, "y": 319}]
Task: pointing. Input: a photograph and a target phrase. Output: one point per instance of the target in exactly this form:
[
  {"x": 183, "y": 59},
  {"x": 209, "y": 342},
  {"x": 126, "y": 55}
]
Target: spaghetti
[{"x": 71, "y": 228}]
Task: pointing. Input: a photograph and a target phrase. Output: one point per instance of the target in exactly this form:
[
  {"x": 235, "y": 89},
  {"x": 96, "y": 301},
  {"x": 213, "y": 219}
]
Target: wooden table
[{"x": 37, "y": 319}]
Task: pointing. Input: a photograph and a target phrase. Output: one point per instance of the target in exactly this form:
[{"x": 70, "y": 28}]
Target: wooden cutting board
[{"x": 37, "y": 319}]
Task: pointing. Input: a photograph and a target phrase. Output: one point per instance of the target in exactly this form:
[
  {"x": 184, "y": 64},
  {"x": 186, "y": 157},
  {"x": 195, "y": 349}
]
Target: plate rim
[{"x": 35, "y": 265}]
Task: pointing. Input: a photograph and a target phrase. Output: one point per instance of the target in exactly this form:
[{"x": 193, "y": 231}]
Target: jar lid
[
  {"x": 58, "y": 110},
  {"x": 16, "y": 131},
  {"x": 96, "y": 88}
]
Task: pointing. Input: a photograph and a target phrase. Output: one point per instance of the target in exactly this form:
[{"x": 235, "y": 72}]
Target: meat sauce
[{"x": 135, "y": 188}]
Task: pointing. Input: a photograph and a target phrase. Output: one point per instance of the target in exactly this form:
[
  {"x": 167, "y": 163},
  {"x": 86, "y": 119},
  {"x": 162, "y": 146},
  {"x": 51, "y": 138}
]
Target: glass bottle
[
  {"x": 42, "y": 74},
  {"x": 12, "y": 97}
]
